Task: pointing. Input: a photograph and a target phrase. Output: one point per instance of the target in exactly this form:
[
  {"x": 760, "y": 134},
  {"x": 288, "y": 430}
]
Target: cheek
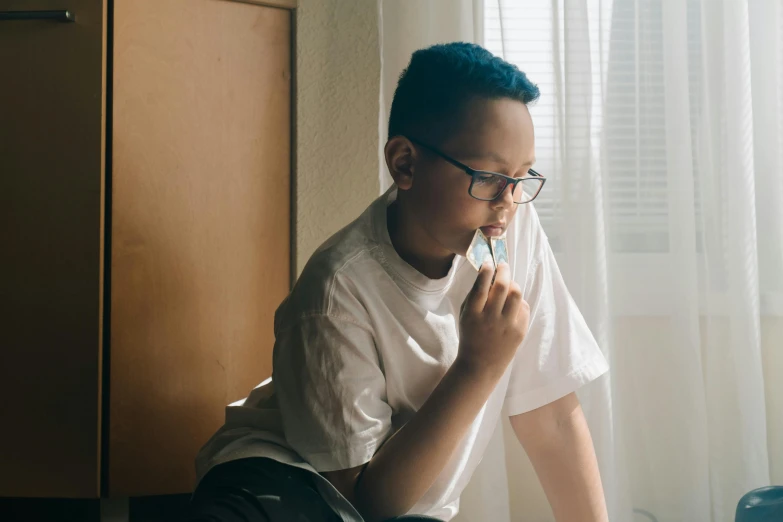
[
  {"x": 469, "y": 214},
  {"x": 460, "y": 221},
  {"x": 448, "y": 211},
  {"x": 452, "y": 208},
  {"x": 444, "y": 198}
]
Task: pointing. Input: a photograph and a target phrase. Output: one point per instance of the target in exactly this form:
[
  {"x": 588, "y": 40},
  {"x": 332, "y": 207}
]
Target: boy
[{"x": 392, "y": 358}]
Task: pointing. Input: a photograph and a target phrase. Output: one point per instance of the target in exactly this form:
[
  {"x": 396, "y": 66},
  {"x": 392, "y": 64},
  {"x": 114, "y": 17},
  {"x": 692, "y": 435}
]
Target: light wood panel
[
  {"x": 200, "y": 248},
  {"x": 51, "y": 194}
]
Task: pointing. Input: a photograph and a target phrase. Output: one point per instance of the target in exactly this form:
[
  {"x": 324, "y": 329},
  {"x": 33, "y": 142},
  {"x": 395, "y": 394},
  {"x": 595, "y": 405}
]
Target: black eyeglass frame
[{"x": 473, "y": 173}]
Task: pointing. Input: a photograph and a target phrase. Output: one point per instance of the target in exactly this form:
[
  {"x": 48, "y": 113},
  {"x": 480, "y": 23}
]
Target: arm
[
  {"x": 558, "y": 442},
  {"x": 409, "y": 462},
  {"x": 493, "y": 323}
]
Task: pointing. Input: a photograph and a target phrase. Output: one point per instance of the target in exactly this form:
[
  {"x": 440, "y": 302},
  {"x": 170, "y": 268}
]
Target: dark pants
[{"x": 262, "y": 490}]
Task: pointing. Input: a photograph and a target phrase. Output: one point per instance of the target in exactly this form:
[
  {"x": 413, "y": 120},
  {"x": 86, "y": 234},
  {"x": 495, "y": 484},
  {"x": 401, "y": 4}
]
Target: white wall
[{"x": 337, "y": 85}]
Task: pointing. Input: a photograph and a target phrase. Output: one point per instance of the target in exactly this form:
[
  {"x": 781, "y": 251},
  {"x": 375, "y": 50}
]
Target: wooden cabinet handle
[{"x": 62, "y": 15}]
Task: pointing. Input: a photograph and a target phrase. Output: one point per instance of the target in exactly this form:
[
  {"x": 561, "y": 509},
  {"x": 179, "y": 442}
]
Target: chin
[{"x": 462, "y": 250}]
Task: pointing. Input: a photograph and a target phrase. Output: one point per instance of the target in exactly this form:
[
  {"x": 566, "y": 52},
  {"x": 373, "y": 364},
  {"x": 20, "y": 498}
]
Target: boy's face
[{"x": 495, "y": 135}]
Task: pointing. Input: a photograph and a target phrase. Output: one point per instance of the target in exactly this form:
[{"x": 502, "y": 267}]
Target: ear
[{"x": 401, "y": 160}]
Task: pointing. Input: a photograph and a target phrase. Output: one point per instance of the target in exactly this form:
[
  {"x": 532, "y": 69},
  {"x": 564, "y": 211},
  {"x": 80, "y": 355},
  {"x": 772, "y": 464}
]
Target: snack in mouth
[
  {"x": 479, "y": 250},
  {"x": 499, "y": 250}
]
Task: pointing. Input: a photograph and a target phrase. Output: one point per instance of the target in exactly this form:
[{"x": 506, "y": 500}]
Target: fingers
[
  {"x": 513, "y": 300},
  {"x": 497, "y": 294},
  {"x": 524, "y": 313},
  {"x": 477, "y": 298}
]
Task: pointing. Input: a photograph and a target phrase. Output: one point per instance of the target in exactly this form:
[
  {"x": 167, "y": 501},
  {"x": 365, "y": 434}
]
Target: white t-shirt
[{"x": 364, "y": 338}]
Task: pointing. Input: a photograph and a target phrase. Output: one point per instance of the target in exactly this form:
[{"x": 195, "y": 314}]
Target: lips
[{"x": 494, "y": 230}]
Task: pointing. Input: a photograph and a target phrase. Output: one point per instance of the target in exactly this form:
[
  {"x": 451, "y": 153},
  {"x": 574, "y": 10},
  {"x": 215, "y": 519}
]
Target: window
[{"x": 624, "y": 116}]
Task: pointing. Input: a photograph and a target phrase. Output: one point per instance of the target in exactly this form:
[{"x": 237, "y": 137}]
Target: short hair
[{"x": 439, "y": 82}]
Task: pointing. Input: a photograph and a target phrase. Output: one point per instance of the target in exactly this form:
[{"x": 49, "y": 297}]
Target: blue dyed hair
[{"x": 440, "y": 80}]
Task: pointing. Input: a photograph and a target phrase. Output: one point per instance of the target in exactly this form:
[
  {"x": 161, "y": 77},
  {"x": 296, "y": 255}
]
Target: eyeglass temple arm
[{"x": 469, "y": 171}]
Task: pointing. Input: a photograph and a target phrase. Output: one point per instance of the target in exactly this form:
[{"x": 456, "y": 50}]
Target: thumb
[{"x": 477, "y": 297}]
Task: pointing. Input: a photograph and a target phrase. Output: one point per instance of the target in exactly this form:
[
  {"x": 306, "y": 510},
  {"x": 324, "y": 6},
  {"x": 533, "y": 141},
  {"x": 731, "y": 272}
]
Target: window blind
[{"x": 627, "y": 115}]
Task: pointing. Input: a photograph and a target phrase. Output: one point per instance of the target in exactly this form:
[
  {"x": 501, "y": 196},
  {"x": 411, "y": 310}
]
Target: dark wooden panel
[
  {"x": 163, "y": 508},
  {"x": 200, "y": 230},
  {"x": 51, "y": 196},
  {"x": 50, "y": 510}
]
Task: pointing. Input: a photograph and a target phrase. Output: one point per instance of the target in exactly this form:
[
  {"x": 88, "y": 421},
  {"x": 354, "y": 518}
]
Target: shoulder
[
  {"x": 533, "y": 259},
  {"x": 528, "y": 238},
  {"x": 330, "y": 282},
  {"x": 529, "y": 226}
]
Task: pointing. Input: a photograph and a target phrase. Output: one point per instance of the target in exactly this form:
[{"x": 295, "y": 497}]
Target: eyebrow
[{"x": 494, "y": 157}]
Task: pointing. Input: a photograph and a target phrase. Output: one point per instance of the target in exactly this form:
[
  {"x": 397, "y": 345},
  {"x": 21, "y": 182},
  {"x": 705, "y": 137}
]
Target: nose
[{"x": 505, "y": 200}]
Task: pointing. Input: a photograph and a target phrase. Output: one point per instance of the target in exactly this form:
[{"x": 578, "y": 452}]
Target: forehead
[{"x": 495, "y": 126}]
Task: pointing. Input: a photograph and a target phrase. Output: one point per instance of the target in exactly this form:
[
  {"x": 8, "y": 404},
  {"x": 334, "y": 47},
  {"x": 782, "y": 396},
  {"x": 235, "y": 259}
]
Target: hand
[{"x": 493, "y": 321}]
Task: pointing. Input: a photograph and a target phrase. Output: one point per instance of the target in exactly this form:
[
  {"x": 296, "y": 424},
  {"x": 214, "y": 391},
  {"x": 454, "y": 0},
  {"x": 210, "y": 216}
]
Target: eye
[{"x": 485, "y": 179}]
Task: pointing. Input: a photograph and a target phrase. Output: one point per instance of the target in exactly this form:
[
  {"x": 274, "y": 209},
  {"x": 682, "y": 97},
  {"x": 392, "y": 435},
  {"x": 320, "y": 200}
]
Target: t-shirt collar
[{"x": 392, "y": 261}]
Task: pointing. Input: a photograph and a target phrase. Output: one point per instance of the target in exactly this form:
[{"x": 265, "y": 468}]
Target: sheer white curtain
[{"x": 660, "y": 128}]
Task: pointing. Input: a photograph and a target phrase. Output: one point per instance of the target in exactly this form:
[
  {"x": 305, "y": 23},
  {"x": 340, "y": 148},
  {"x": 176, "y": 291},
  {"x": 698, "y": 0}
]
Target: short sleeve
[
  {"x": 331, "y": 392},
  {"x": 559, "y": 353}
]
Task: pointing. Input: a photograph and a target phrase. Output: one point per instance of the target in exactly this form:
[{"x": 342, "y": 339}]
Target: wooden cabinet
[
  {"x": 145, "y": 199},
  {"x": 52, "y": 183}
]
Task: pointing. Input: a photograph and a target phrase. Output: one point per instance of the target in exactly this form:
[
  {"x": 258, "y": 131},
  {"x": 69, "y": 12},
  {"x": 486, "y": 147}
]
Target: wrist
[{"x": 478, "y": 370}]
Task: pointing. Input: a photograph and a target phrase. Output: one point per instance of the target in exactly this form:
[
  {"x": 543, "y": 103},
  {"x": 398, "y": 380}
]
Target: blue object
[{"x": 761, "y": 505}]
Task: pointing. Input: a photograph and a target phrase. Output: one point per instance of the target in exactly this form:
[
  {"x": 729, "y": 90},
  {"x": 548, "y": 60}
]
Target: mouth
[{"x": 494, "y": 230}]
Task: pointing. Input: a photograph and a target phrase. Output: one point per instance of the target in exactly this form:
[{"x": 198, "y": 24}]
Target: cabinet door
[
  {"x": 51, "y": 204},
  {"x": 200, "y": 225}
]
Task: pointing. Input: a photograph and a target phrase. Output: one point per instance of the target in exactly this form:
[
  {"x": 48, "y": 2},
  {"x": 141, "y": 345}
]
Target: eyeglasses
[{"x": 488, "y": 186}]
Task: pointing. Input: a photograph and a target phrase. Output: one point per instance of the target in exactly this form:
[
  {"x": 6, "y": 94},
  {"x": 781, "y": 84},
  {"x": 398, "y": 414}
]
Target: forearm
[
  {"x": 408, "y": 463},
  {"x": 563, "y": 456}
]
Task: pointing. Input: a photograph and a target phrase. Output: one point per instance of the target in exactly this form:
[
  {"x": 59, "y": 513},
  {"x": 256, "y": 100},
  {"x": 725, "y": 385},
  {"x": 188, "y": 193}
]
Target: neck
[{"x": 414, "y": 245}]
